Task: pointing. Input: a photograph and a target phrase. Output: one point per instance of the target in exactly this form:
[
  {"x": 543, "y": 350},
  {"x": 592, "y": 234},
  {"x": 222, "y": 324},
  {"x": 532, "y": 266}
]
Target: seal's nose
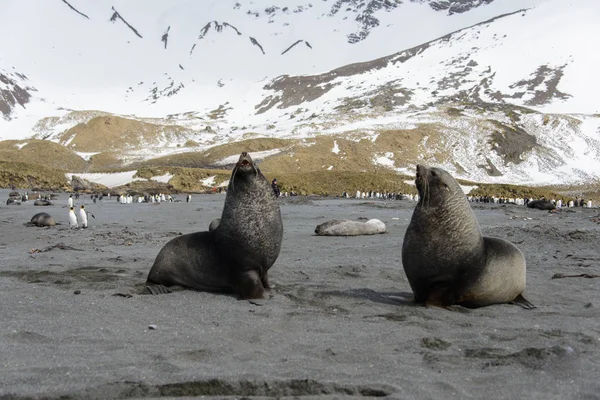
[{"x": 244, "y": 153}]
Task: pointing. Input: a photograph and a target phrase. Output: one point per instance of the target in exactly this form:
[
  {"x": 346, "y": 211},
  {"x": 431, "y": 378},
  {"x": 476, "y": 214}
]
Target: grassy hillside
[
  {"x": 112, "y": 133},
  {"x": 185, "y": 179},
  {"x": 326, "y": 165},
  {"x": 334, "y": 183},
  {"x": 217, "y": 153},
  {"x": 41, "y": 152},
  {"x": 25, "y": 175},
  {"x": 512, "y": 191}
]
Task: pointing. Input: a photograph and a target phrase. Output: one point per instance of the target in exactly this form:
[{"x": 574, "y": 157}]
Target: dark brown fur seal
[
  {"x": 446, "y": 258},
  {"x": 541, "y": 204},
  {"x": 41, "y": 202},
  {"x": 236, "y": 255},
  {"x": 42, "y": 219},
  {"x": 250, "y": 232}
]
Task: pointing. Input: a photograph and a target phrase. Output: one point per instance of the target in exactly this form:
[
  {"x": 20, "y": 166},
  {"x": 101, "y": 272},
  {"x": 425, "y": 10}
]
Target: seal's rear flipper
[
  {"x": 158, "y": 289},
  {"x": 523, "y": 302}
]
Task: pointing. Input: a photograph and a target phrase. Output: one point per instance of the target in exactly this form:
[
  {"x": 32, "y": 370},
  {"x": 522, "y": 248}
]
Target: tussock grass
[
  {"x": 588, "y": 191},
  {"x": 103, "y": 162},
  {"x": 511, "y": 191},
  {"x": 188, "y": 179},
  {"x": 184, "y": 179},
  {"x": 41, "y": 152},
  {"x": 330, "y": 183},
  {"x": 217, "y": 153},
  {"x": 26, "y": 175},
  {"x": 188, "y": 160},
  {"x": 214, "y": 154},
  {"x": 307, "y": 166},
  {"x": 357, "y": 152}
]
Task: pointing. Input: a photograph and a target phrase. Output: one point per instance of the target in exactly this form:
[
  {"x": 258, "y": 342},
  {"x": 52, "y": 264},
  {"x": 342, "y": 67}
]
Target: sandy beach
[{"x": 339, "y": 323}]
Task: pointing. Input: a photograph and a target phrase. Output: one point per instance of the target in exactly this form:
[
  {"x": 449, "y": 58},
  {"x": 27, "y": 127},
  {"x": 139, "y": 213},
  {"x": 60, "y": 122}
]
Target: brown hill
[
  {"x": 112, "y": 133},
  {"x": 41, "y": 152}
]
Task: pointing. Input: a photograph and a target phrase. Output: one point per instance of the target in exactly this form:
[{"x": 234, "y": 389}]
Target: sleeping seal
[
  {"x": 346, "y": 227},
  {"x": 541, "y": 204},
  {"x": 42, "y": 219}
]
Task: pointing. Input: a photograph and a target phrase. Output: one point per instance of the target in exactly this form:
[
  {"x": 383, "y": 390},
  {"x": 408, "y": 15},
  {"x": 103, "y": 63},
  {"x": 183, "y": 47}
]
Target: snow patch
[
  {"x": 259, "y": 155},
  {"x": 385, "y": 160},
  {"x": 467, "y": 189},
  {"x": 109, "y": 180},
  {"x": 336, "y": 148},
  {"x": 162, "y": 178},
  {"x": 210, "y": 181},
  {"x": 86, "y": 156}
]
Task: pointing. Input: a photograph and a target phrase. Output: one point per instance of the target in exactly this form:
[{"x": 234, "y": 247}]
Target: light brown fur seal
[
  {"x": 346, "y": 227},
  {"x": 446, "y": 258}
]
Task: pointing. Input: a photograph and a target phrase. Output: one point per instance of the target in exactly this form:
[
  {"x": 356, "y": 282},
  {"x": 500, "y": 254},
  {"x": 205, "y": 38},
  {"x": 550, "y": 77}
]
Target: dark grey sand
[{"x": 339, "y": 323}]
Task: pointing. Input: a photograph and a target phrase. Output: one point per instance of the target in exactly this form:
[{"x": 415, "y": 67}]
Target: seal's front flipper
[
  {"x": 437, "y": 291},
  {"x": 523, "y": 302},
  {"x": 158, "y": 289},
  {"x": 250, "y": 286}
]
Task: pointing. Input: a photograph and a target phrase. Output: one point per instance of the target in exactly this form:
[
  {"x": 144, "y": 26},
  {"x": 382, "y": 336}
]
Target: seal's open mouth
[{"x": 245, "y": 163}]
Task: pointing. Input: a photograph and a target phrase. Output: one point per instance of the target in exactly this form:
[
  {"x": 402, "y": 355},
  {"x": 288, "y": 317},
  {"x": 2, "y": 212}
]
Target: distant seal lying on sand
[
  {"x": 237, "y": 254},
  {"x": 42, "y": 219},
  {"x": 41, "y": 202},
  {"x": 346, "y": 227},
  {"x": 541, "y": 205},
  {"x": 445, "y": 257}
]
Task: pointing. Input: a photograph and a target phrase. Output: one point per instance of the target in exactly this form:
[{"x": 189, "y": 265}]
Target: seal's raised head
[
  {"x": 239, "y": 248},
  {"x": 245, "y": 168},
  {"x": 436, "y": 186}
]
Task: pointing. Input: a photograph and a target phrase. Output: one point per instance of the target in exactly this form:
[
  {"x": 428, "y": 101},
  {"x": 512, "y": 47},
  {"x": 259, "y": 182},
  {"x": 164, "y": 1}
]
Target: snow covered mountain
[{"x": 508, "y": 85}]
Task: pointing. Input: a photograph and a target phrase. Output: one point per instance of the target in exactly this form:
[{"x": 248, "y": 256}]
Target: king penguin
[
  {"x": 72, "y": 218},
  {"x": 83, "y": 217}
]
